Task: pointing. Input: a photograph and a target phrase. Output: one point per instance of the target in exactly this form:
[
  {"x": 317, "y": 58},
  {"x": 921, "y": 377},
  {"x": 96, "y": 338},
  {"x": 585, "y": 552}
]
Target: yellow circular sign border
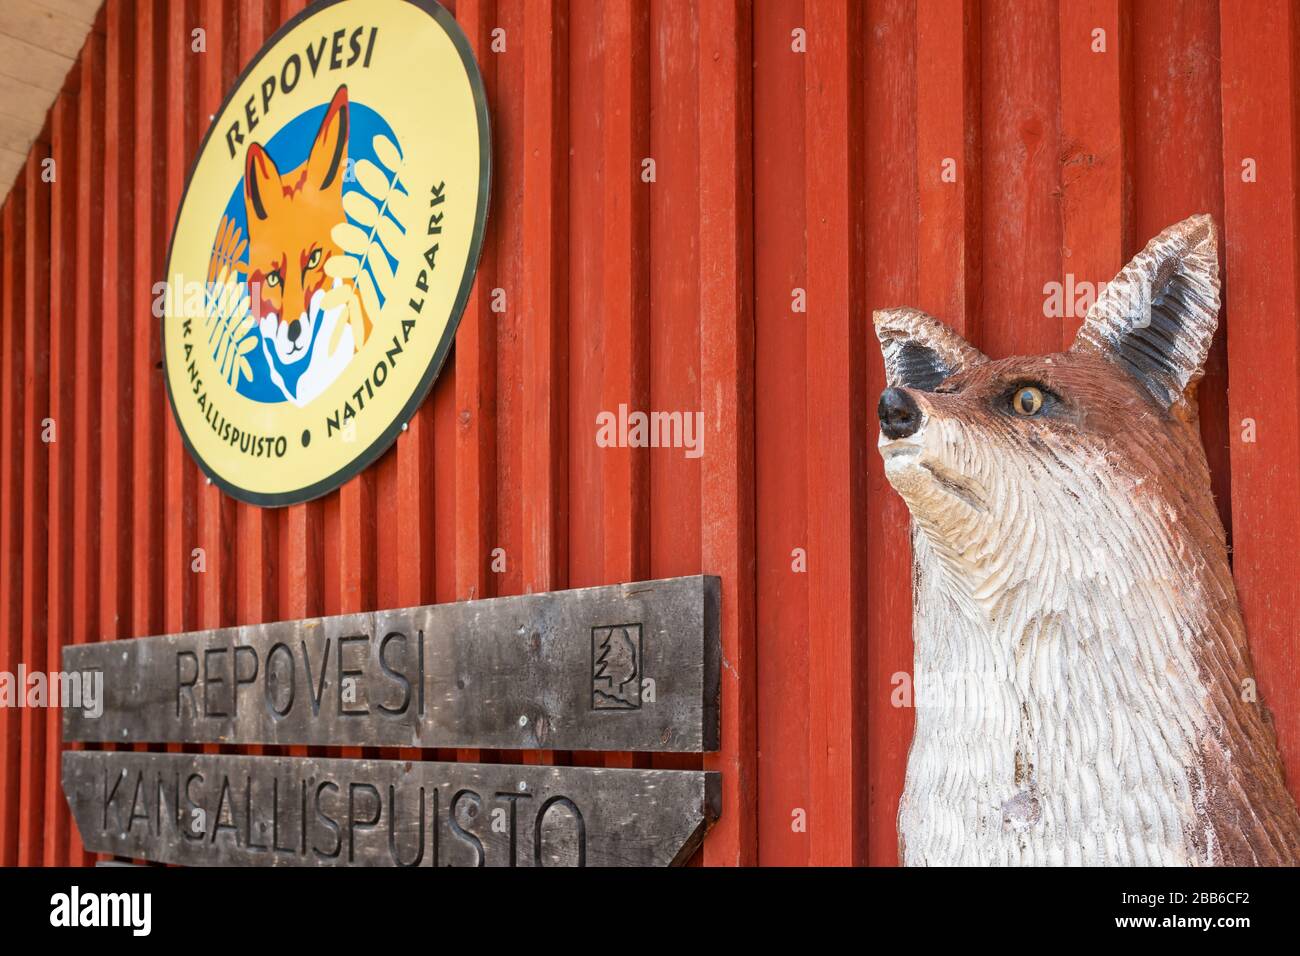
[{"x": 385, "y": 440}]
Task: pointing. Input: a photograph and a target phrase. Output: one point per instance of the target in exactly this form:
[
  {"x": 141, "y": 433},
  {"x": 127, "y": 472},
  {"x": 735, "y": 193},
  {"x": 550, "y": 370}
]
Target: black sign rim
[{"x": 386, "y": 439}]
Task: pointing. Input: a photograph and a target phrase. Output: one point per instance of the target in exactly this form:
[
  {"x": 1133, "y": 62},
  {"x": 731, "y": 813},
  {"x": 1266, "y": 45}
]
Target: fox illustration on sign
[
  {"x": 290, "y": 219},
  {"x": 1088, "y": 690},
  {"x": 298, "y": 274}
]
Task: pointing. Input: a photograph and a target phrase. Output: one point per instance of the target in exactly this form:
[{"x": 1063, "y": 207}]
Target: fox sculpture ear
[
  {"x": 329, "y": 151},
  {"x": 1158, "y": 316},
  {"x": 261, "y": 181},
  {"x": 920, "y": 351}
]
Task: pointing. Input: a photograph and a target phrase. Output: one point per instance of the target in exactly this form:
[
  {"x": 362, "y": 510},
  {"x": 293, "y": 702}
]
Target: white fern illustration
[
  {"x": 364, "y": 271},
  {"x": 232, "y": 330}
]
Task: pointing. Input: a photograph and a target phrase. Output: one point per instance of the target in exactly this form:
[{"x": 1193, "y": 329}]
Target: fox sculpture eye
[
  {"x": 1079, "y": 651},
  {"x": 1027, "y": 401}
]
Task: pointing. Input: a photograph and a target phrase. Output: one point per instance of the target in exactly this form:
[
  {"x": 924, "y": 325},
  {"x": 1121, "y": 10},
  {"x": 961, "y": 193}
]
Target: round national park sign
[{"x": 325, "y": 246}]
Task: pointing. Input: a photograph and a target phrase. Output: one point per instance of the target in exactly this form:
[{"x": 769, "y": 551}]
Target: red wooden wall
[{"x": 776, "y": 169}]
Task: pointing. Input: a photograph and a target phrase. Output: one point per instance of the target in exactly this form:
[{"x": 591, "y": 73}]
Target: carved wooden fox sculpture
[{"x": 1082, "y": 673}]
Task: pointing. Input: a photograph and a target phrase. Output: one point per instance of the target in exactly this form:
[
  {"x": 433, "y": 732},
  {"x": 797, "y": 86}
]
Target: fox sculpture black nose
[{"x": 899, "y": 414}]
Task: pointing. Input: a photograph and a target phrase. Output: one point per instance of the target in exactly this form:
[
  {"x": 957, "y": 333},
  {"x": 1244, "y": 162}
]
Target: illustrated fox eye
[
  {"x": 273, "y": 279},
  {"x": 314, "y": 260},
  {"x": 1027, "y": 401}
]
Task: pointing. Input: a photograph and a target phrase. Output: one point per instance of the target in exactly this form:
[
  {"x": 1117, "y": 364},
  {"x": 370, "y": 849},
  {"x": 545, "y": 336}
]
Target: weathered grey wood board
[
  {"x": 237, "y": 810},
  {"x": 625, "y": 667}
]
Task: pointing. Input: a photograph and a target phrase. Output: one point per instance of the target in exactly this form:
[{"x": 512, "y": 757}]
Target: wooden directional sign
[
  {"x": 272, "y": 811},
  {"x": 626, "y": 667}
]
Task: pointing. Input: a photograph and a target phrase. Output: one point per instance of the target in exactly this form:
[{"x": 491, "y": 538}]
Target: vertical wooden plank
[
  {"x": 12, "y": 431},
  {"x": 1096, "y": 144},
  {"x": 893, "y": 233},
  {"x": 350, "y": 548},
  {"x": 506, "y": 244},
  {"x": 625, "y": 292},
  {"x": 330, "y": 531},
  {"x": 403, "y": 481},
  {"x": 88, "y": 305},
  {"x": 545, "y": 182},
  {"x": 440, "y": 489},
  {"x": 180, "y": 471},
  {"x": 145, "y": 353},
  {"x": 116, "y": 380},
  {"x": 675, "y": 334},
  {"x": 1263, "y": 294},
  {"x": 626, "y": 343},
  {"x": 356, "y": 543},
  {"x": 149, "y": 400},
  {"x": 947, "y": 153},
  {"x": 406, "y": 543},
  {"x": 781, "y": 428},
  {"x": 836, "y": 344},
  {"x": 586, "y": 267},
  {"x": 116, "y": 348},
  {"x": 411, "y": 534},
  {"x": 727, "y": 388},
  {"x": 132, "y": 533},
  {"x": 332, "y": 579},
  {"x": 36, "y": 462},
  {"x": 545, "y": 301},
  {"x": 673, "y": 118},
  {"x": 1021, "y": 175},
  {"x": 439, "y": 464},
  {"x": 216, "y": 511},
  {"x": 300, "y": 574},
  {"x": 590, "y": 60},
  {"x": 63, "y": 342},
  {"x": 474, "y": 392},
  {"x": 1175, "y": 63}
]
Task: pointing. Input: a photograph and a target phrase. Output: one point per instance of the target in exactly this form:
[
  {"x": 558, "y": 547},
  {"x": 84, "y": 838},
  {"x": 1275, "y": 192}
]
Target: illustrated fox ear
[
  {"x": 1157, "y": 317},
  {"x": 261, "y": 181},
  {"x": 329, "y": 151},
  {"x": 920, "y": 351}
]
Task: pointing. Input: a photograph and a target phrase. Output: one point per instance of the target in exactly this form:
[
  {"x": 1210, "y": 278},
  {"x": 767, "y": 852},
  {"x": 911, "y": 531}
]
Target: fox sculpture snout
[
  {"x": 1079, "y": 651},
  {"x": 899, "y": 414}
]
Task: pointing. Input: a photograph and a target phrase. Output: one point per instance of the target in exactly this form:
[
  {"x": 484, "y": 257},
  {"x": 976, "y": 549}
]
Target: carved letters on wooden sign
[
  {"x": 208, "y": 809},
  {"x": 626, "y": 667}
]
